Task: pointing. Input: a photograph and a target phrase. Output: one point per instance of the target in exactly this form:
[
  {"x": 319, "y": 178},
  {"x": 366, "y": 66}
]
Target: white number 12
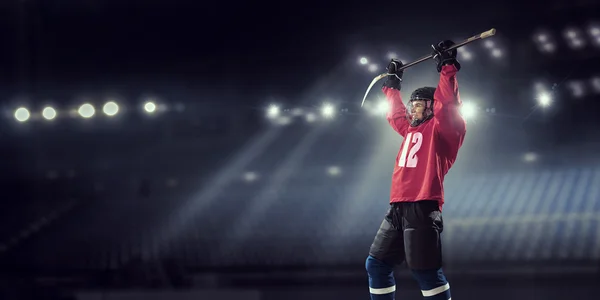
[{"x": 415, "y": 139}]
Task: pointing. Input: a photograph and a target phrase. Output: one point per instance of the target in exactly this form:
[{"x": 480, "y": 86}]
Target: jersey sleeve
[
  {"x": 396, "y": 114},
  {"x": 449, "y": 123}
]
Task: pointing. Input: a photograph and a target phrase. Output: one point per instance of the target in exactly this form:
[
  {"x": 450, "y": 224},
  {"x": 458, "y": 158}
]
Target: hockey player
[{"x": 433, "y": 132}]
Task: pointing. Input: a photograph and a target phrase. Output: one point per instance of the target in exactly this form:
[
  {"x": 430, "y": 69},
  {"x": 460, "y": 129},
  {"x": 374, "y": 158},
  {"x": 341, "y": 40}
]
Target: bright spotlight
[
  {"x": 333, "y": 171},
  {"x": 382, "y": 107},
  {"x": 542, "y": 38},
  {"x": 530, "y": 157},
  {"x": 49, "y": 113},
  {"x": 327, "y": 111},
  {"x": 150, "y": 107},
  {"x": 310, "y": 117},
  {"x": 577, "y": 88},
  {"x": 497, "y": 53},
  {"x": 392, "y": 55},
  {"x": 468, "y": 110},
  {"x": 250, "y": 176},
  {"x": 544, "y": 99},
  {"x": 577, "y": 43},
  {"x": 86, "y": 111},
  {"x": 22, "y": 114},
  {"x": 273, "y": 111},
  {"x": 363, "y": 61},
  {"x": 110, "y": 108},
  {"x": 488, "y": 44},
  {"x": 466, "y": 55},
  {"x": 595, "y": 31},
  {"x": 596, "y": 84},
  {"x": 373, "y": 68},
  {"x": 549, "y": 47}
]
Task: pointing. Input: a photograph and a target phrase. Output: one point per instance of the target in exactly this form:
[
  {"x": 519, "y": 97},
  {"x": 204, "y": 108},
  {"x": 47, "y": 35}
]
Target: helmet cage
[
  {"x": 423, "y": 94},
  {"x": 427, "y": 112}
]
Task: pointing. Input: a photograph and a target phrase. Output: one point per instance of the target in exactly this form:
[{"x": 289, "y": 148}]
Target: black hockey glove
[
  {"x": 443, "y": 57},
  {"x": 394, "y": 78}
]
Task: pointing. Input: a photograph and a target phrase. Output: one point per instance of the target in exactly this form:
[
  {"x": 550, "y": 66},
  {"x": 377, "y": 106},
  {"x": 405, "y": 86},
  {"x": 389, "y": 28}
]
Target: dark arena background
[{"x": 218, "y": 150}]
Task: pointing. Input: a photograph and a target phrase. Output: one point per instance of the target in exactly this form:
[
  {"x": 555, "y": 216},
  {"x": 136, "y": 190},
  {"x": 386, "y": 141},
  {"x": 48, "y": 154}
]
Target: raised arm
[
  {"x": 396, "y": 114},
  {"x": 448, "y": 120},
  {"x": 447, "y": 103}
]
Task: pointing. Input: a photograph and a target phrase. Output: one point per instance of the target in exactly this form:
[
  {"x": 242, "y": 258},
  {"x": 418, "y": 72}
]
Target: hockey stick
[{"x": 480, "y": 36}]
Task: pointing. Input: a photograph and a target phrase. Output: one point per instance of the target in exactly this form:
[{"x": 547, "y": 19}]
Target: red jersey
[{"x": 429, "y": 149}]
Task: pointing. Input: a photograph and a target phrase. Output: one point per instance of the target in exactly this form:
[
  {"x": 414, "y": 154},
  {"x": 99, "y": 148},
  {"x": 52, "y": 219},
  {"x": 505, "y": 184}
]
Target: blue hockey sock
[
  {"x": 382, "y": 285},
  {"x": 433, "y": 283}
]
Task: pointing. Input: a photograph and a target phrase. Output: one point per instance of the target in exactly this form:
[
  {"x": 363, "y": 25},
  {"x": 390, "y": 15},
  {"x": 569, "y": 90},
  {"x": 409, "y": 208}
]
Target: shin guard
[
  {"x": 382, "y": 285},
  {"x": 433, "y": 283}
]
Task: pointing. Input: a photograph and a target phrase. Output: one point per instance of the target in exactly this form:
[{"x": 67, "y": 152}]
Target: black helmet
[{"x": 425, "y": 94}]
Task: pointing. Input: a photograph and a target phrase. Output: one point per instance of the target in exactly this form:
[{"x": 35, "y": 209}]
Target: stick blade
[{"x": 379, "y": 77}]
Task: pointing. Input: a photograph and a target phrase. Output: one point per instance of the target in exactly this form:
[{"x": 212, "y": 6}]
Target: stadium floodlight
[
  {"x": 497, "y": 53},
  {"x": 49, "y": 113},
  {"x": 327, "y": 110},
  {"x": 544, "y": 99},
  {"x": 549, "y": 47},
  {"x": 110, "y": 108},
  {"x": 577, "y": 88},
  {"x": 334, "y": 171},
  {"x": 468, "y": 110},
  {"x": 150, "y": 107},
  {"x": 530, "y": 157},
  {"x": 464, "y": 54},
  {"x": 571, "y": 33},
  {"x": 595, "y": 82},
  {"x": 381, "y": 108},
  {"x": 542, "y": 37},
  {"x": 22, "y": 114},
  {"x": 577, "y": 43},
  {"x": 273, "y": 111},
  {"x": 373, "y": 68},
  {"x": 250, "y": 176},
  {"x": 488, "y": 44},
  {"x": 86, "y": 110},
  {"x": 310, "y": 117}
]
